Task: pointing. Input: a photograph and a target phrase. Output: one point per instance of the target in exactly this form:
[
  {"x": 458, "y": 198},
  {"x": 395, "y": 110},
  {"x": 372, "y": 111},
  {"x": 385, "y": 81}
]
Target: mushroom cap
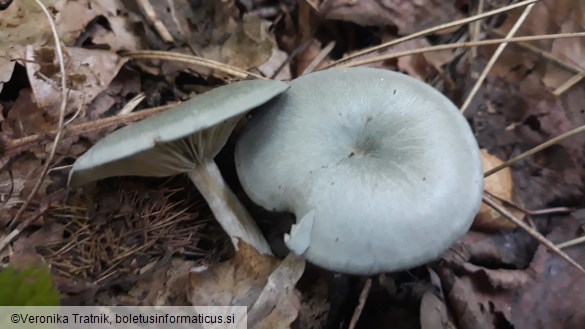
[
  {"x": 381, "y": 170},
  {"x": 176, "y": 140}
]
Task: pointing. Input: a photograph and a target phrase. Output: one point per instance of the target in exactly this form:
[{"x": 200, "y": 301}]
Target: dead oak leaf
[
  {"x": 24, "y": 23},
  {"x": 24, "y": 248},
  {"x": 221, "y": 35},
  {"x": 279, "y": 303},
  {"x": 238, "y": 281},
  {"x": 14, "y": 182},
  {"x": 549, "y": 17},
  {"x": 408, "y": 16},
  {"x": 122, "y": 34},
  {"x": 555, "y": 298},
  {"x": 260, "y": 282},
  {"x": 24, "y": 117},
  {"x": 75, "y": 19},
  {"x": 501, "y": 185},
  {"x": 89, "y": 72}
]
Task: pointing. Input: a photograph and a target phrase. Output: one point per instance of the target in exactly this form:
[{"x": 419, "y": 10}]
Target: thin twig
[
  {"x": 495, "y": 57},
  {"x": 194, "y": 60},
  {"x": 579, "y": 73},
  {"x": 59, "y": 53},
  {"x": 361, "y": 303},
  {"x": 575, "y": 79},
  {"x": 534, "y": 233},
  {"x": 571, "y": 243},
  {"x": 545, "y": 54},
  {"x": 538, "y": 212},
  {"x": 467, "y": 44},
  {"x": 154, "y": 21},
  {"x": 476, "y": 28},
  {"x": 319, "y": 58},
  {"x": 535, "y": 150},
  {"x": 14, "y": 146},
  {"x": 431, "y": 30}
]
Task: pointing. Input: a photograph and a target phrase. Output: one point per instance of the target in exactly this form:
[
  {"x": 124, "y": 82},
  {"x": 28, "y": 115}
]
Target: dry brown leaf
[
  {"x": 548, "y": 294},
  {"x": 500, "y": 185},
  {"x": 467, "y": 310},
  {"x": 15, "y": 184},
  {"x": 555, "y": 299},
  {"x": 304, "y": 59},
  {"x": 548, "y": 17},
  {"x": 521, "y": 115},
  {"x": 248, "y": 45},
  {"x": 24, "y": 248},
  {"x": 238, "y": 281},
  {"x": 509, "y": 249},
  {"x": 261, "y": 282},
  {"x": 275, "y": 61},
  {"x": 219, "y": 33},
  {"x": 433, "y": 313},
  {"x": 122, "y": 34},
  {"x": 501, "y": 278},
  {"x": 214, "y": 30},
  {"x": 89, "y": 72},
  {"x": 165, "y": 287},
  {"x": 24, "y": 23},
  {"x": 25, "y": 118},
  {"x": 126, "y": 83},
  {"x": 315, "y": 305},
  {"x": 279, "y": 303},
  {"x": 408, "y": 16},
  {"x": 76, "y": 18},
  {"x": 416, "y": 65}
]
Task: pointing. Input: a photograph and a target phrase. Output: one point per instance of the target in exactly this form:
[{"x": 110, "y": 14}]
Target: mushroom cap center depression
[{"x": 385, "y": 164}]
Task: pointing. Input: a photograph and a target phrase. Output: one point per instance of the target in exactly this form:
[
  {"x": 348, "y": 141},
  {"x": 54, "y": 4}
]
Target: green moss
[{"x": 32, "y": 286}]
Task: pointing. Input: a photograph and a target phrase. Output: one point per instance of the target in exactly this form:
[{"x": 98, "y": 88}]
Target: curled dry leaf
[
  {"x": 78, "y": 23},
  {"x": 89, "y": 72},
  {"x": 24, "y": 117},
  {"x": 433, "y": 312},
  {"x": 25, "y": 248},
  {"x": 415, "y": 65},
  {"x": 24, "y": 23},
  {"x": 548, "y": 294},
  {"x": 279, "y": 303},
  {"x": 166, "y": 285},
  {"x": 408, "y": 16},
  {"x": 16, "y": 182},
  {"x": 217, "y": 31},
  {"x": 261, "y": 282},
  {"x": 275, "y": 61},
  {"x": 500, "y": 185},
  {"x": 548, "y": 17},
  {"x": 557, "y": 293}
]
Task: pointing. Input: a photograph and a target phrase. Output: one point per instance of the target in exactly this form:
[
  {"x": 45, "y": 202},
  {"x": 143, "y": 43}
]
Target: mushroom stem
[{"x": 228, "y": 210}]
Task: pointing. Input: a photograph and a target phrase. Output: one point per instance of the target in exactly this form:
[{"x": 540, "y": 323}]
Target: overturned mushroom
[
  {"x": 185, "y": 139},
  {"x": 381, "y": 170}
]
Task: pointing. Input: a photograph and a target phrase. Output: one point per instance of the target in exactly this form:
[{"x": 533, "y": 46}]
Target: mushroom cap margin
[{"x": 132, "y": 150}]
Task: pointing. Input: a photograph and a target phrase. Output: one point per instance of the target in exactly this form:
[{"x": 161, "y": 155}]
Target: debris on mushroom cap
[
  {"x": 381, "y": 170},
  {"x": 167, "y": 144}
]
